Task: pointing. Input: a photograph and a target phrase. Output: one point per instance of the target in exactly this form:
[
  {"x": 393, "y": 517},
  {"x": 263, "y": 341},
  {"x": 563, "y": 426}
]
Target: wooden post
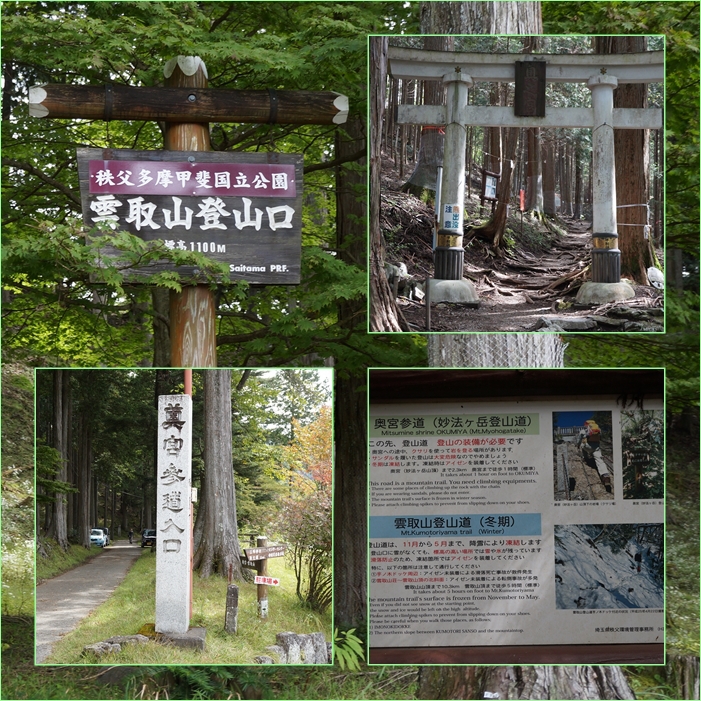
[
  {"x": 192, "y": 313},
  {"x": 231, "y": 618},
  {"x": 262, "y": 570}
]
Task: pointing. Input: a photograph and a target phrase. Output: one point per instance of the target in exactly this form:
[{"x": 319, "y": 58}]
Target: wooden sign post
[
  {"x": 258, "y": 557},
  {"x": 187, "y": 106},
  {"x": 193, "y": 336}
]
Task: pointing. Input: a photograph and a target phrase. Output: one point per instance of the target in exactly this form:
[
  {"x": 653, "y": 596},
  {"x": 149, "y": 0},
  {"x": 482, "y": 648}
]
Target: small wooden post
[
  {"x": 192, "y": 313},
  {"x": 231, "y": 620},
  {"x": 262, "y": 570}
]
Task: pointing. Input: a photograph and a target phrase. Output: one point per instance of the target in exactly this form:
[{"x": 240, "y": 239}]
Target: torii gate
[{"x": 601, "y": 73}]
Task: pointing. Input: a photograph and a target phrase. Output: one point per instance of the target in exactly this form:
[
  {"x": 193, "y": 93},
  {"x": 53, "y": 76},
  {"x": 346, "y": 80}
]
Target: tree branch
[
  {"x": 336, "y": 162},
  {"x": 27, "y": 167}
]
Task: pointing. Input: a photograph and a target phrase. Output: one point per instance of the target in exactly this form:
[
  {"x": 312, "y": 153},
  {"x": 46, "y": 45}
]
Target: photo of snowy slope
[{"x": 609, "y": 566}]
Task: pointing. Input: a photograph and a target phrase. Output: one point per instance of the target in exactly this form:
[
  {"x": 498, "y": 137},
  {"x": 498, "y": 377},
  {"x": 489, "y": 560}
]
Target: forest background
[{"x": 55, "y": 314}]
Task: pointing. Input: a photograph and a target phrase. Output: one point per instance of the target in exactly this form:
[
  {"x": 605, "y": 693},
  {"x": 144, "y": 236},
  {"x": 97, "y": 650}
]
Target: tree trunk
[
  {"x": 218, "y": 549},
  {"x": 84, "y": 487},
  {"x": 682, "y": 672},
  {"x": 534, "y": 177},
  {"x": 384, "y": 312},
  {"x": 536, "y": 682},
  {"x": 160, "y": 302},
  {"x": 350, "y": 508},
  {"x": 60, "y": 502},
  {"x": 350, "y": 407},
  {"x": 549, "y": 175},
  {"x": 71, "y": 501},
  {"x": 511, "y": 350},
  {"x": 494, "y": 229},
  {"x": 431, "y": 147},
  {"x": 631, "y": 147},
  {"x": 577, "y": 213}
]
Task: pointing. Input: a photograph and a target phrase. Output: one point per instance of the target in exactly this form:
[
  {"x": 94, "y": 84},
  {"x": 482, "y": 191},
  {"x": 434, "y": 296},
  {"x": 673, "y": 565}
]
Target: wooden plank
[
  {"x": 529, "y": 96},
  {"x": 176, "y": 104}
]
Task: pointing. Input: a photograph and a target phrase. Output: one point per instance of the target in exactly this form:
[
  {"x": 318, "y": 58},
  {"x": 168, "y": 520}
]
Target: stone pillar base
[
  {"x": 456, "y": 291},
  {"x": 591, "y": 293}
]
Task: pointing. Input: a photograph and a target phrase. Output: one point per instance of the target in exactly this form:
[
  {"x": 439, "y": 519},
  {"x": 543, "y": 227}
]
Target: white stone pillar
[
  {"x": 606, "y": 256},
  {"x": 173, "y": 514},
  {"x": 449, "y": 251}
]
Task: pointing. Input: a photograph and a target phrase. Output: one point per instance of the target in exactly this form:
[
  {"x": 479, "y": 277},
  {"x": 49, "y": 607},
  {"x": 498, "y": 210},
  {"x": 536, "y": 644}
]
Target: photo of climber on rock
[{"x": 582, "y": 455}]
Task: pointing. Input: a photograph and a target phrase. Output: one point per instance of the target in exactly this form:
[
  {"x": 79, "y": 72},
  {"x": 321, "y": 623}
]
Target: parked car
[
  {"x": 148, "y": 537},
  {"x": 106, "y": 531},
  {"x": 97, "y": 537}
]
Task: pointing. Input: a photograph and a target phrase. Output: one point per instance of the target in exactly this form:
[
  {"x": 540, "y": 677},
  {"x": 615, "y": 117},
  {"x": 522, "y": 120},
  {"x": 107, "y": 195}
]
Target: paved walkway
[{"x": 62, "y": 602}]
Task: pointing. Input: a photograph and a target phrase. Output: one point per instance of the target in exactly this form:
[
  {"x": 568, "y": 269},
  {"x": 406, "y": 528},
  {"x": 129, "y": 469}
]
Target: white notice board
[{"x": 516, "y": 523}]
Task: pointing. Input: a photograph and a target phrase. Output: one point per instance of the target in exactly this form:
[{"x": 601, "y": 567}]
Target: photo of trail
[
  {"x": 582, "y": 466},
  {"x": 609, "y": 566}
]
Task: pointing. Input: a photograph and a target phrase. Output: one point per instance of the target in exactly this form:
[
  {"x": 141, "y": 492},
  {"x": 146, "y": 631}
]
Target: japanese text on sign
[
  {"x": 211, "y": 212},
  {"x": 457, "y": 424},
  {"x": 184, "y": 178}
]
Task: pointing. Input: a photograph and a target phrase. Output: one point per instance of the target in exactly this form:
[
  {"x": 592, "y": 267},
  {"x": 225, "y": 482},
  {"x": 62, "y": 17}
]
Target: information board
[
  {"x": 516, "y": 523},
  {"x": 242, "y": 209}
]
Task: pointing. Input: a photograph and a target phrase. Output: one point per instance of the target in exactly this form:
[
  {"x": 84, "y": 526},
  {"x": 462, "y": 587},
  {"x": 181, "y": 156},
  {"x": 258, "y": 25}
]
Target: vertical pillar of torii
[
  {"x": 448, "y": 257},
  {"x": 605, "y": 255}
]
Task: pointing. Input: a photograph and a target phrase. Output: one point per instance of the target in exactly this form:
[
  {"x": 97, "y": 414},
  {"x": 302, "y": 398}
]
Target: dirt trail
[
  {"x": 62, "y": 602},
  {"x": 519, "y": 288}
]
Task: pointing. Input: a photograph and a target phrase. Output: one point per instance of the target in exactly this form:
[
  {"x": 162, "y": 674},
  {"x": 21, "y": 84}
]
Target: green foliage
[
  {"x": 61, "y": 304},
  {"x": 682, "y": 583},
  {"x": 22, "y": 680},
  {"x": 48, "y": 464},
  {"x": 17, "y": 491},
  {"x": 678, "y": 352},
  {"x": 133, "y": 604},
  {"x": 207, "y": 682},
  {"x": 348, "y": 649},
  {"x": 304, "y": 516}
]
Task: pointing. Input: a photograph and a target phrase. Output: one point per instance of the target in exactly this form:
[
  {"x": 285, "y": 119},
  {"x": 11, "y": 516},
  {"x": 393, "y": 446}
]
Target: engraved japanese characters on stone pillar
[{"x": 174, "y": 514}]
